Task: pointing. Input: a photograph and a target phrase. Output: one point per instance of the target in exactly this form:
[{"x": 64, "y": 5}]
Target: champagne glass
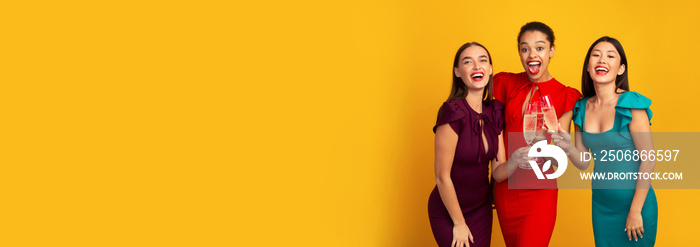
[
  {"x": 539, "y": 129},
  {"x": 550, "y": 115},
  {"x": 529, "y": 127}
]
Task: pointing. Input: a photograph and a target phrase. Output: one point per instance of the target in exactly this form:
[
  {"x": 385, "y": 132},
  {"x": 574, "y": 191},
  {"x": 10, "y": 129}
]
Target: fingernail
[{"x": 635, "y": 240}]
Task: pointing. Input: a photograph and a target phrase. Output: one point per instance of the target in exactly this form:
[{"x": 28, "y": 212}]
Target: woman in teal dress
[{"x": 609, "y": 121}]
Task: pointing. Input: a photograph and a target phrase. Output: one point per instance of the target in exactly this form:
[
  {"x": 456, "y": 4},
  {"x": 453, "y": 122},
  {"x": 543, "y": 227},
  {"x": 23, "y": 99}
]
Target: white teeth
[
  {"x": 601, "y": 69},
  {"x": 477, "y": 76},
  {"x": 534, "y": 63}
]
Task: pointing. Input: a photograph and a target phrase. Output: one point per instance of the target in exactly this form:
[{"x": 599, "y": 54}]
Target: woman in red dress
[{"x": 527, "y": 212}]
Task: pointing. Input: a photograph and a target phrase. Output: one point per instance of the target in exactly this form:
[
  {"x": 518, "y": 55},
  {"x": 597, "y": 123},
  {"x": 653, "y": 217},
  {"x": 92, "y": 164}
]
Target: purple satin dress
[{"x": 470, "y": 170}]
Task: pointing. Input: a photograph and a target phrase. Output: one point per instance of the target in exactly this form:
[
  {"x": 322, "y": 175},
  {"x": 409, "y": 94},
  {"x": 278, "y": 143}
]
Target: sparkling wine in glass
[
  {"x": 529, "y": 128},
  {"x": 539, "y": 128},
  {"x": 539, "y": 131},
  {"x": 550, "y": 115}
]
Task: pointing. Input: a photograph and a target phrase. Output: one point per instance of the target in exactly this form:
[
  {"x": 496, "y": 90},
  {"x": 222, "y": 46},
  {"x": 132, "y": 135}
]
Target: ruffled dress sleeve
[
  {"x": 628, "y": 101},
  {"x": 496, "y": 123},
  {"x": 497, "y": 117},
  {"x": 579, "y": 112},
  {"x": 500, "y": 83},
  {"x": 451, "y": 113},
  {"x": 572, "y": 98}
]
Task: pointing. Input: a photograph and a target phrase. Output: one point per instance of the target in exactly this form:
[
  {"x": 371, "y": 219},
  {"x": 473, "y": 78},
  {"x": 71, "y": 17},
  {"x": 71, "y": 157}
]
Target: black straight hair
[{"x": 621, "y": 81}]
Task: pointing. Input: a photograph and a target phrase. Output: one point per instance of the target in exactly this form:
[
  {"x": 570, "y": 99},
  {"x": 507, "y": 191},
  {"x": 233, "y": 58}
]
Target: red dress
[{"x": 527, "y": 216}]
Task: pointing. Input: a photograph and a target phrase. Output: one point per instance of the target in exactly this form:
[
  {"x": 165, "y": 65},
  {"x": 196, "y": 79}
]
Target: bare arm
[
  {"x": 445, "y": 146},
  {"x": 565, "y": 123},
  {"x": 565, "y": 120},
  {"x": 563, "y": 140},
  {"x": 641, "y": 135},
  {"x": 501, "y": 169}
]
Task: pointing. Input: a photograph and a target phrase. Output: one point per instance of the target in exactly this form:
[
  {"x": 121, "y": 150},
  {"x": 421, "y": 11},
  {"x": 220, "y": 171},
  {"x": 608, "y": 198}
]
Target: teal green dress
[{"x": 612, "y": 198}]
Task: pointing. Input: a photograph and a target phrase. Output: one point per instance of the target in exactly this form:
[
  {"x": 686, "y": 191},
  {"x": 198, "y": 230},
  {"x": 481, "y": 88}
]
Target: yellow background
[{"x": 208, "y": 123}]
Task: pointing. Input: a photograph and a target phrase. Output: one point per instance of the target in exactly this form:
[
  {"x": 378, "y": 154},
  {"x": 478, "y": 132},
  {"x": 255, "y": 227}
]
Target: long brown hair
[{"x": 459, "y": 88}]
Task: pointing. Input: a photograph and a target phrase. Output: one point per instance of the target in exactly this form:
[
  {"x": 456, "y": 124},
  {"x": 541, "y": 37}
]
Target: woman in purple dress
[{"x": 468, "y": 135}]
